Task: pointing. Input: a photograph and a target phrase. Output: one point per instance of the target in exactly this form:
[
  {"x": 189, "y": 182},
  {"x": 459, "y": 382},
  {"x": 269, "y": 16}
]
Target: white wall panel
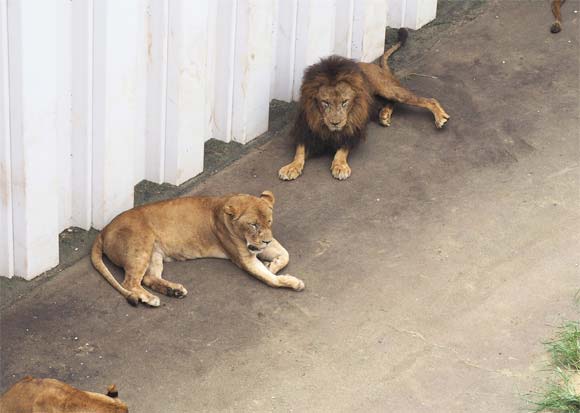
[
  {"x": 252, "y": 67},
  {"x": 115, "y": 107},
  {"x": 157, "y": 33},
  {"x": 369, "y": 25},
  {"x": 141, "y": 80},
  {"x": 82, "y": 112},
  {"x": 412, "y": 14},
  {"x": 32, "y": 34},
  {"x": 314, "y": 36},
  {"x": 64, "y": 111},
  {"x": 284, "y": 45},
  {"x": 223, "y": 76},
  {"x": 420, "y": 12},
  {"x": 6, "y": 234},
  {"x": 344, "y": 27},
  {"x": 187, "y": 117}
]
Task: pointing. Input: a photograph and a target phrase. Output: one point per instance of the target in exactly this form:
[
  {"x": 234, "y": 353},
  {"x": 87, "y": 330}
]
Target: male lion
[
  {"x": 336, "y": 98},
  {"x": 236, "y": 227},
  {"x": 32, "y": 395}
]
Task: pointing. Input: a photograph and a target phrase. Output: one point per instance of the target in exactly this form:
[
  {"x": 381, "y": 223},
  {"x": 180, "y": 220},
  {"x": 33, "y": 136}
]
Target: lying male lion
[
  {"x": 336, "y": 98},
  {"x": 32, "y": 395},
  {"x": 237, "y": 227}
]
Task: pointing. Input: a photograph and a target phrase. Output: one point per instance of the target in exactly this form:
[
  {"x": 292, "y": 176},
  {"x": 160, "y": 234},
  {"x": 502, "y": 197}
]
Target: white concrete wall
[
  {"x": 412, "y": 14},
  {"x": 97, "y": 95}
]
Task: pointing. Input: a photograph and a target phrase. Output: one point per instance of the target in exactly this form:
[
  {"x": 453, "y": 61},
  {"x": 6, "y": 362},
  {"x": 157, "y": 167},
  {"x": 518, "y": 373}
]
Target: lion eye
[
  {"x": 344, "y": 103},
  {"x": 325, "y": 104},
  {"x": 255, "y": 226}
]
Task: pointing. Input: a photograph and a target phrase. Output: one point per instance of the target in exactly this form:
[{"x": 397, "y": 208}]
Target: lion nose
[{"x": 335, "y": 123}]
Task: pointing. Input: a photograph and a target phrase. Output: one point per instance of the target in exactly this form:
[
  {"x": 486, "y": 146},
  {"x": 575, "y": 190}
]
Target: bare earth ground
[{"x": 432, "y": 274}]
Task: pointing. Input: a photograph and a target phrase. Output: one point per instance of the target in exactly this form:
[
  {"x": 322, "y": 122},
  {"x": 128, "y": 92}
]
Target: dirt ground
[{"x": 432, "y": 274}]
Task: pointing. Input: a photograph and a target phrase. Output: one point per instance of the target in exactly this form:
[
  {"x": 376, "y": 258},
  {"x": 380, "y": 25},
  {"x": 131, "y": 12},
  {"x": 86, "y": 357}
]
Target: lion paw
[
  {"x": 178, "y": 292},
  {"x": 340, "y": 170},
  {"x": 291, "y": 282},
  {"x": 151, "y": 300},
  {"x": 385, "y": 116},
  {"x": 385, "y": 121},
  {"x": 441, "y": 120},
  {"x": 290, "y": 172}
]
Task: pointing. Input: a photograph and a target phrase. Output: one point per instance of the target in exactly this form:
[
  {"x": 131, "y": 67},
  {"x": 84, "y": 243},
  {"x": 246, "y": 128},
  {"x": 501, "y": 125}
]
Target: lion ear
[
  {"x": 268, "y": 196},
  {"x": 231, "y": 210},
  {"x": 112, "y": 391}
]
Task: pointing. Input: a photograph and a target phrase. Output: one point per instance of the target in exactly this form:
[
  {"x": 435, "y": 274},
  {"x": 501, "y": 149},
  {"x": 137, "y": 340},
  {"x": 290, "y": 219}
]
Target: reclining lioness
[
  {"x": 32, "y": 395},
  {"x": 236, "y": 227}
]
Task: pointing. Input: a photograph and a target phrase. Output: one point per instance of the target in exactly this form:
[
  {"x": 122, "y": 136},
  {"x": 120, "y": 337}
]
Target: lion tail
[
  {"x": 97, "y": 259},
  {"x": 402, "y": 34}
]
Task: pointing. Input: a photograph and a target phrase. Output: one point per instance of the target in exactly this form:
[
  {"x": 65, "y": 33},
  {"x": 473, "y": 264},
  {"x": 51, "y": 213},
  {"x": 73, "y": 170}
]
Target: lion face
[
  {"x": 334, "y": 103},
  {"x": 251, "y": 219}
]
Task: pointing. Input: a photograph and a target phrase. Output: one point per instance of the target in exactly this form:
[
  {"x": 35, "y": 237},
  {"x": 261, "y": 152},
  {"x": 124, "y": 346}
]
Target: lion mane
[{"x": 309, "y": 128}]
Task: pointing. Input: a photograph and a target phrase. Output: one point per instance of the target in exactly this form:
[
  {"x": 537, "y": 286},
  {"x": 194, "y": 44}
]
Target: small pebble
[{"x": 503, "y": 62}]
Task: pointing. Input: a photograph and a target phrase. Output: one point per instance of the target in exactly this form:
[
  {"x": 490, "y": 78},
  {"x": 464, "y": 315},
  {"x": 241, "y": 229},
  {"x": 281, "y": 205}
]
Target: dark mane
[{"x": 309, "y": 128}]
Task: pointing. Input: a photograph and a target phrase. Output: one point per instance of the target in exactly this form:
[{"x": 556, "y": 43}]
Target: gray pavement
[{"x": 432, "y": 274}]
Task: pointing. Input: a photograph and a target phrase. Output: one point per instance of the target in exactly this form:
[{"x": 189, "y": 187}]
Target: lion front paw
[
  {"x": 290, "y": 282},
  {"x": 290, "y": 171},
  {"x": 441, "y": 119},
  {"x": 178, "y": 291},
  {"x": 340, "y": 170}
]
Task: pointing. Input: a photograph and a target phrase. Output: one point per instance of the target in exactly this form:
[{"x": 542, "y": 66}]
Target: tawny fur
[
  {"x": 236, "y": 227},
  {"x": 31, "y": 395}
]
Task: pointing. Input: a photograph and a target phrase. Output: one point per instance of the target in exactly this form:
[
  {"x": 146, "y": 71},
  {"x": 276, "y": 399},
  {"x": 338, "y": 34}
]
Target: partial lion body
[
  {"x": 557, "y": 25},
  {"x": 336, "y": 99},
  {"x": 235, "y": 227},
  {"x": 32, "y": 395}
]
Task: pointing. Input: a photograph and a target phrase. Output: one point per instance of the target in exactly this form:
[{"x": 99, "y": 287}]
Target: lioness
[
  {"x": 336, "y": 99},
  {"x": 237, "y": 227},
  {"x": 32, "y": 395}
]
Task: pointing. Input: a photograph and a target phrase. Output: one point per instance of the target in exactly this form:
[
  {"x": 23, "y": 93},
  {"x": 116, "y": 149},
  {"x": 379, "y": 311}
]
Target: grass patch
[
  {"x": 565, "y": 349},
  {"x": 563, "y": 394},
  {"x": 560, "y": 397}
]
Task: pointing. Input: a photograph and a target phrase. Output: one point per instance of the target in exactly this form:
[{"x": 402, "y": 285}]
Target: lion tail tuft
[
  {"x": 97, "y": 260},
  {"x": 403, "y": 35}
]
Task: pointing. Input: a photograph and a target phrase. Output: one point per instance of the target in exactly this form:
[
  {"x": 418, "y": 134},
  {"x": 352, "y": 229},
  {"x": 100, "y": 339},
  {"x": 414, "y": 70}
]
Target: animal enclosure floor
[{"x": 432, "y": 274}]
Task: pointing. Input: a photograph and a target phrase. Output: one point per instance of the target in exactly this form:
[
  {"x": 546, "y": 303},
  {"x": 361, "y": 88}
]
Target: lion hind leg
[
  {"x": 134, "y": 274},
  {"x": 403, "y": 95},
  {"x": 557, "y": 25},
  {"x": 153, "y": 279},
  {"x": 386, "y": 113},
  {"x": 274, "y": 257}
]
